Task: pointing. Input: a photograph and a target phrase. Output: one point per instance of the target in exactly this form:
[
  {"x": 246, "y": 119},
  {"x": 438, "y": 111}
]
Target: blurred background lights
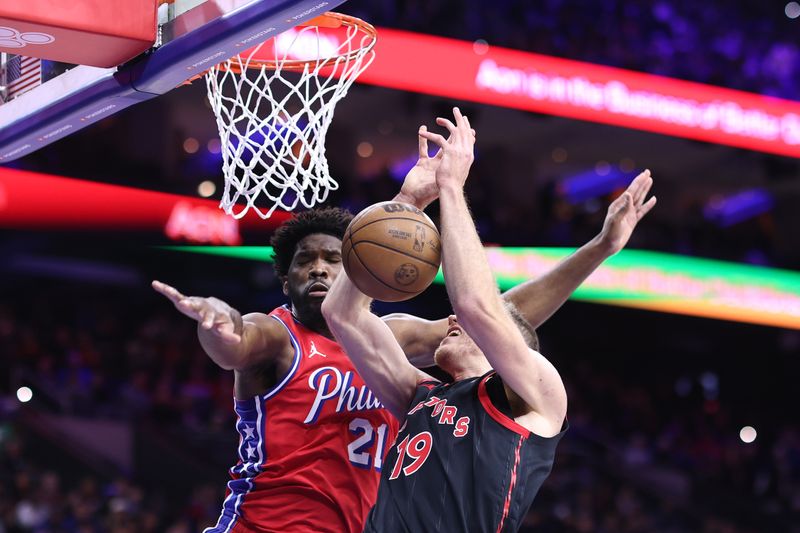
[
  {"x": 792, "y": 10},
  {"x": 748, "y": 434},
  {"x": 602, "y": 168},
  {"x": 206, "y": 189},
  {"x": 626, "y": 164},
  {"x": 24, "y": 394},
  {"x": 364, "y": 149},
  {"x": 710, "y": 383},
  {"x": 559, "y": 155},
  {"x": 213, "y": 146},
  {"x": 480, "y": 47},
  {"x": 191, "y": 145}
]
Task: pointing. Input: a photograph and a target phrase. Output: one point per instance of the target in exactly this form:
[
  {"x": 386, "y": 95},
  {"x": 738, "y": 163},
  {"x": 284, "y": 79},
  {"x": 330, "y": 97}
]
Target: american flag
[{"x": 21, "y": 75}]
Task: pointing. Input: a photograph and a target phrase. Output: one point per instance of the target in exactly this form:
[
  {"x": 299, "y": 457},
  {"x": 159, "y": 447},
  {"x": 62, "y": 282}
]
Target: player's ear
[{"x": 285, "y": 285}]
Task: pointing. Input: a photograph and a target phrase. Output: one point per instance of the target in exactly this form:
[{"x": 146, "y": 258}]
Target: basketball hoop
[{"x": 274, "y": 104}]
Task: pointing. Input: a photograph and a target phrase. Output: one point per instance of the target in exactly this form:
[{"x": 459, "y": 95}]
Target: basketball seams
[
  {"x": 386, "y": 262},
  {"x": 379, "y": 280},
  {"x": 349, "y": 241},
  {"x": 385, "y": 247},
  {"x": 432, "y": 228}
]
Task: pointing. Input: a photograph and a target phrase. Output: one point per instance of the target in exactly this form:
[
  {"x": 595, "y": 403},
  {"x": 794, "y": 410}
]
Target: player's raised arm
[
  {"x": 233, "y": 341},
  {"x": 419, "y": 337},
  {"x": 371, "y": 346},
  {"x": 473, "y": 291},
  {"x": 536, "y": 299},
  {"x": 539, "y": 298}
]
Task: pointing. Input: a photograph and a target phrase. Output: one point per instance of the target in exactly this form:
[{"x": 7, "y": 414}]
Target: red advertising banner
[
  {"x": 34, "y": 201},
  {"x": 533, "y": 82}
]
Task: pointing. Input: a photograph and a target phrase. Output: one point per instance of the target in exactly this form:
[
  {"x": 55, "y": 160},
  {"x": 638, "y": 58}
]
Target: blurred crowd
[
  {"x": 648, "y": 453},
  {"x": 657, "y": 451},
  {"x": 750, "y": 45}
]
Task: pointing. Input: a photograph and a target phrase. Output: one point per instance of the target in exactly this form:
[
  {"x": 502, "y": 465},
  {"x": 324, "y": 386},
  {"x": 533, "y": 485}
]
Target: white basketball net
[{"x": 272, "y": 121}]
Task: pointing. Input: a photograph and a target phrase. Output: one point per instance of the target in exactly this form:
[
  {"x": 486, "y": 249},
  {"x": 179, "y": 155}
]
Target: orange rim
[{"x": 329, "y": 19}]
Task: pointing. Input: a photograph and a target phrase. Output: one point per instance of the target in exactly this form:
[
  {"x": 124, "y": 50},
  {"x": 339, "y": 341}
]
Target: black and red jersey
[{"x": 461, "y": 463}]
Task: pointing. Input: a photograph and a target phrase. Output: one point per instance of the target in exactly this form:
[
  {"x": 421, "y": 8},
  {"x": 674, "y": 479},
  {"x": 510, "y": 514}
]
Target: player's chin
[{"x": 443, "y": 354}]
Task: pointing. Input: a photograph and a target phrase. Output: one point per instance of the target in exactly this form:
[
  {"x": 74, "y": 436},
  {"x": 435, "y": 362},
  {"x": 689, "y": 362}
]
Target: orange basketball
[{"x": 391, "y": 251}]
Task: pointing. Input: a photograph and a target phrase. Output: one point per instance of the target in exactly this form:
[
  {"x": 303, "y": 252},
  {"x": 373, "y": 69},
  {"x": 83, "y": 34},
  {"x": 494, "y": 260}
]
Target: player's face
[
  {"x": 456, "y": 349},
  {"x": 316, "y": 262}
]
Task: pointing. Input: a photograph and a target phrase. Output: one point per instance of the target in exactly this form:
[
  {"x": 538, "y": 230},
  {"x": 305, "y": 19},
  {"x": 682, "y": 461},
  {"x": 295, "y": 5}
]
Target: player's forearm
[
  {"x": 470, "y": 284},
  {"x": 344, "y": 302},
  {"x": 539, "y": 298},
  {"x": 370, "y": 345},
  {"x": 226, "y": 355}
]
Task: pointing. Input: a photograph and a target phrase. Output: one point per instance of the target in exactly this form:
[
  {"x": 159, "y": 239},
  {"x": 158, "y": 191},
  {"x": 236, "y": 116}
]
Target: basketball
[{"x": 391, "y": 251}]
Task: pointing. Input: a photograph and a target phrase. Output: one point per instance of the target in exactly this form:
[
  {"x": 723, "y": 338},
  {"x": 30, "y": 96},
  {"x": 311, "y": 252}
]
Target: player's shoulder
[
  {"x": 263, "y": 321},
  {"x": 267, "y": 333}
]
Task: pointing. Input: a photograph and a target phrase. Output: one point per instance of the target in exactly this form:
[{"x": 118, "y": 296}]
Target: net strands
[{"x": 273, "y": 119}]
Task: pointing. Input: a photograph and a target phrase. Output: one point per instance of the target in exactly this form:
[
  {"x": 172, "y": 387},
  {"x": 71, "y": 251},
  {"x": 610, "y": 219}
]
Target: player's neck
[
  {"x": 313, "y": 321},
  {"x": 472, "y": 369}
]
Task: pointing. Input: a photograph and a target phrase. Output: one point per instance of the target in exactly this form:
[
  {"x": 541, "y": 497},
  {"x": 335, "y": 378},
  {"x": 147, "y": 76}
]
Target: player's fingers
[
  {"x": 634, "y": 185},
  {"x": 226, "y": 332},
  {"x": 458, "y": 116},
  {"x": 447, "y": 124},
  {"x": 646, "y": 207},
  {"x": 433, "y": 137},
  {"x": 167, "y": 290},
  {"x": 620, "y": 206},
  {"x": 208, "y": 319},
  {"x": 637, "y": 186},
  {"x": 644, "y": 188},
  {"x": 423, "y": 143},
  {"x": 189, "y": 307},
  {"x": 468, "y": 127}
]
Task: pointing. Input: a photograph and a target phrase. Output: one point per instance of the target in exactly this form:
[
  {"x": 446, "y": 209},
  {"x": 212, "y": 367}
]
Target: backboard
[{"x": 192, "y": 36}]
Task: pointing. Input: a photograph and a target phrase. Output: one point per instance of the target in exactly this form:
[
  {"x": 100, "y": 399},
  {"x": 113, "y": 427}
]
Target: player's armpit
[
  {"x": 418, "y": 337},
  {"x": 525, "y": 371},
  {"x": 534, "y": 421}
]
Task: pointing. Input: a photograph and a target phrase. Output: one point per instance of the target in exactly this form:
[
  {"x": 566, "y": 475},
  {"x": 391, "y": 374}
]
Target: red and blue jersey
[{"x": 311, "y": 449}]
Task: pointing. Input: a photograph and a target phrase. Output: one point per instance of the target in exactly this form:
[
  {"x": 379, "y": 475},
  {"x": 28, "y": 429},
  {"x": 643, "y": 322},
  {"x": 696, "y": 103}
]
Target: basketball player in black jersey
[{"x": 471, "y": 454}]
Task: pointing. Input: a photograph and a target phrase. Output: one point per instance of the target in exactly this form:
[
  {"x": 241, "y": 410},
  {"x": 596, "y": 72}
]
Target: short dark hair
[
  {"x": 528, "y": 332},
  {"x": 331, "y": 221}
]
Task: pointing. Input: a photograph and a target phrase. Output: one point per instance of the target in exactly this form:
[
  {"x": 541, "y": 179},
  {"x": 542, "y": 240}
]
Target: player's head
[
  {"x": 307, "y": 250},
  {"x": 458, "y": 351}
]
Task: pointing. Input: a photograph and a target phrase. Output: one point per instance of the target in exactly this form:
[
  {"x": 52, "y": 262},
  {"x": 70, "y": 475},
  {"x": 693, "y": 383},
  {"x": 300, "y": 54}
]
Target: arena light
[
  {"x": 748, "y": 434},
  {"x": 593, "y": 183},
  {"x": 643, "y": 280},
  {"x": 744, "y": 205},
  {"x": 24, "y": 394}
]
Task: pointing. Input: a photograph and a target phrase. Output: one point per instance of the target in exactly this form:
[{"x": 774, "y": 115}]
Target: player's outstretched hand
[
  {"x": 626, "y": 211},
  {"x": 214, "y": 315},
  {"x": 457, "y": 151},
  {"x": 419, "y": 186}
]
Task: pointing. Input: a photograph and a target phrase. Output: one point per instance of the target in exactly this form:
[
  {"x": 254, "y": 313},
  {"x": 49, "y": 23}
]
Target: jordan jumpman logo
[{"x": 314, "y": 351}]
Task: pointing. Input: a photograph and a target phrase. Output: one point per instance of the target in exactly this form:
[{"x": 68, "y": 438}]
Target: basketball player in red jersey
[
  {"x": 312, "y": 435},
  {"x": 471, "y": 454}
]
